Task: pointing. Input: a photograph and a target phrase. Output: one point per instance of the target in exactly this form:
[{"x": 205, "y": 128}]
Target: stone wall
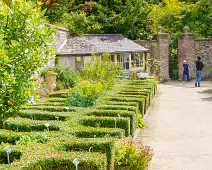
[
  {"x": 203, "y": 48},
  {"x": 159, "y": 49},
  {"x": 189, "y": 48}
]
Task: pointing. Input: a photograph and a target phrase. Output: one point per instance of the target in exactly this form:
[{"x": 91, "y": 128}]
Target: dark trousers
[{"x": 186, "y": 74}]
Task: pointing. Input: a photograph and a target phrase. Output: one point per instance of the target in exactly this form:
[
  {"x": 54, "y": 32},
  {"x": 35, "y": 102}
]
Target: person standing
[
  {"x": 185, "y": 71},
  {"x": 199, "y": 66}
]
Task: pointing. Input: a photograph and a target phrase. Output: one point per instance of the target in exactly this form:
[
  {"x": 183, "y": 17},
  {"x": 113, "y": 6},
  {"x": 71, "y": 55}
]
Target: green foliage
[
  {"x": 101, "y": 70},
  {"x": 24, "y": 47},
  {"x": 26, "y": 125},
  {"x": 66, "y": 76},
  {"x": 130, "y": 156},
  {"x": 90, "y": 132},
  {"x": 14, "y": 155},
  {"x": 107, "y": 122},
  {"x": 51, "y": 108},
  {"x": 30, "y": 140},
  {"x": 84, "y": 94}
]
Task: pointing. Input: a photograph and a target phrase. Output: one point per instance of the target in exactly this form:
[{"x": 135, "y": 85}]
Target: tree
[{"x": 24, "y": 48}]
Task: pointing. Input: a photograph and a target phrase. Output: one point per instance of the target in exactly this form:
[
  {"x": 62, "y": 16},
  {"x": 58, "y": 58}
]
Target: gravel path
[{"x": 179, "y": 127}]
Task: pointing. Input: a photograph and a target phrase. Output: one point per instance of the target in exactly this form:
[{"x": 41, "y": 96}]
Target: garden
[{"x": 88, "y": 125}]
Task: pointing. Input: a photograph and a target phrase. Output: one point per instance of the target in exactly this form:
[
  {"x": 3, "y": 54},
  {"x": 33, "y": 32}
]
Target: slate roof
[{"x": 90, "y": 44}]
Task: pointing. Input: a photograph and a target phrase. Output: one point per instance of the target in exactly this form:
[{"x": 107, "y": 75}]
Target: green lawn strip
[
  {"x": 47, "y": 157},
  {"x": 43, "y": 115},
  {"x": 107, "y": 122},
  {"x": 52, "y": 108},
  {"x": 102, "y": 145},
  {"x": 115, "y": 113},
  {"x": 28, "y": 125}
]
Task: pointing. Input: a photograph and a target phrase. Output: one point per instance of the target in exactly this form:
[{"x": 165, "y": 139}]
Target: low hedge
[
  {"x": 55, "y": 99},
  {"x": 8, "y": 136},
  {"x": 51, "y": 108},
  {"x": 141, "y": 101},
  {"x": 47, "y": 104},
  {"x": 108, "y": 122},
  {"x": 147, "y": 104},
  {"x": 14, "y": 155},
  {"x": 42, "y": 115},
  {"x": 64, "y": 161},
  {"x": 106, "y": 146},
  {"x": 114, "y": 113},
  {"x": 118, "y": 107},
  {"x": 137, "y": 93},
  {"x": 62, "y": 94},
  {"x": 121, "y": 103},
  {"x": 27, "y": 125},
  {"x": 90, "y": 132}
]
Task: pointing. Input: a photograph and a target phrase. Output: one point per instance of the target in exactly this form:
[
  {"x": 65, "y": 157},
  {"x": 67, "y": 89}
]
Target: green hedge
[
  {"x": 90, "y": 132},
  {"x": 14, "y": 155},
  {"x": 140, "y": 101},
  {"x": 51, "y": 108},
  {"x": 108, "y": 122},
  {"x": 64, "y": 161},
  {"x": 121, "y": 103},
  {"x": 106, "y": 146},
  {"x": 42, "y": 115},
  {"x": 27, "y": 125},
  {"x": 62, "y": 94},
  {"x": 55, "y": 99},
  {"x": 147, "y": 94},
  {"x": 118, "y": 107},
  {"x": 47, "y": 104},
  {"x": 114, "y": 113}
]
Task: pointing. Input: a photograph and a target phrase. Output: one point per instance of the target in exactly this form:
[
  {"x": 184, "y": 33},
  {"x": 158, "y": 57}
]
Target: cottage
[{"x": 76, "y": 51}]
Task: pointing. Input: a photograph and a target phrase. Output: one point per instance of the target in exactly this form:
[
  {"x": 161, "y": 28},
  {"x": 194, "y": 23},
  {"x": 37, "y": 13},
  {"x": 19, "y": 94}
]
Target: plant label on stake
[
  {"x": 76, "y": 162},
  {"x": 67, "y": 108},
  {"x": 57, "y": 118},
  {"x": 8, "y": 150},
  {"x": 45, "y": 137},
  {"x": 47, "y": 126}
]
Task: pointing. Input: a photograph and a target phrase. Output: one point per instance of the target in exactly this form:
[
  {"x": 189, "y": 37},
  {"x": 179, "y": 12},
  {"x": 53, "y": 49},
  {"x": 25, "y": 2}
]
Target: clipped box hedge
[
  {"x": 114, "y": 113},
  {"x": 118, "y": 107},
  {"x": 91, "y": 132},
  {"x": 140, "y": 101},
  {"x": 55, "y": 99},
  {"x": 51, "y": 108},
  {"x": 42, "y": 115},
  {"x": 60, "y": 94},
  {"x": 121, "y": 103},
  {"x": 47, "y": 104},
  {"x": 107, "y": 122},
  {"x": 106, "y": 146},
  {"x": 14, "y": 155},
  {"x": 27, "y": 125},
  {"x": 8, "y": 136}
]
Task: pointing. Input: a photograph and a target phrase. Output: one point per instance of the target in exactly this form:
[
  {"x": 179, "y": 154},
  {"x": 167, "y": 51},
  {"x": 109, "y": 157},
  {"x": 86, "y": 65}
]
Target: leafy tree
[{"x": 24, "y": 48}]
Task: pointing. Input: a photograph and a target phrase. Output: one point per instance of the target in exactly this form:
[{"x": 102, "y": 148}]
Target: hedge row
[
  {"x": 51, "y": 108},
  {"x": 27, "y": 125},
  {"x": 91, "y": 132},
  {"x": 106, "y": 146},
  {"x": 47, "y": 104},
  {"x": 107, "y": 122},
  {"x": 42, "y": 115},
  {"x": 114, "y": 113},
  {"x": 62, "y": 94},
  {"x": 14, "y": 155}
]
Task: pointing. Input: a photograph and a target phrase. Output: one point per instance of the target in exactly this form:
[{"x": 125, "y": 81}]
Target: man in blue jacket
[{"x": 199, "y": 66}]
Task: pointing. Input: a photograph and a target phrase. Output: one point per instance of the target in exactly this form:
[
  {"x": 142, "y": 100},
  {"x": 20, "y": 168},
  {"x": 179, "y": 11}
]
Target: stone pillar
[
  {"x": 186, "y": 51},
  {"x": 163, "y": 50},
  {"x": 51, "y": 81}
]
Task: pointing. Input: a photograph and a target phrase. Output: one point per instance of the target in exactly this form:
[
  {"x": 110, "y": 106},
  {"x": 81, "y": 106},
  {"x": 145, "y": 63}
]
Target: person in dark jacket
[
  {"x": 185, "y": 71},
  {"x": 199, "y": 66}
]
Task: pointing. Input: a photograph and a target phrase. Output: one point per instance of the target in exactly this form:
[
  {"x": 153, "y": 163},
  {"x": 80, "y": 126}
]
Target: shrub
[
  {"x": 90, "y": 132},
  {"x": 41, "y": 115},
  {"x": 96, "y": 145},
  {"x": 27, "y": 125},
  {"x": 108, "y": 122},
  {"x": 101, "y": 70},
  {"x": 14, "y": 155},
  {"x": 115, "y": 113},
  {"x": 66, "y": 76},
  {"x": 50, "y": 108},
  {"x": 129, "y": 156},
  {"x": 84, "y": 94}
]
